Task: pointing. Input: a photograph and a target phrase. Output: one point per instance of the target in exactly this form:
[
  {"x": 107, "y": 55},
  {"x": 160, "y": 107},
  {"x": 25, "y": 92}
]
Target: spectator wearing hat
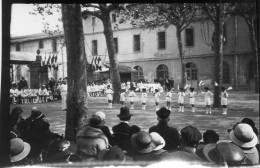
[
  {"x": 243, "y": 136},
  {"x": 19, "y": 151},
  {"x": 90, "y": 140},
  {"x": 147, "y": 147},
  {"x": 16, "y": 119},
  {"x": 104, "y": 128},
  {"x": 251, "y": 123},
  {"x": 169, "y": 134},
  {"x": 190, "y": 137},
  {"x": 58, "y": 152},
  {"x": 123, "y": 131},
  {"x": 224, "y": 153},
  {"x": 114, "y": 155}
]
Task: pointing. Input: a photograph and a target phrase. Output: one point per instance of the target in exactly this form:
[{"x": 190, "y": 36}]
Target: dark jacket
[
  {"x": 152, "y": 156},
  {"x": 90, "y": 141},
  {"x": 108, "y": 134},
  {"x": 60, "y": 157},
  {"x": 122, "y": 135},
  {"x": 169, "y": 134}
]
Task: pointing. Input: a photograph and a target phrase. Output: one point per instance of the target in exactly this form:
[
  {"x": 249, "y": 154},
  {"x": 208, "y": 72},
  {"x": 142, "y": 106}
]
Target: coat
[
  {"x": 90, "y": 141},
  {"x": 169, "y": 134},
  {"x": 153, "y": 156}
]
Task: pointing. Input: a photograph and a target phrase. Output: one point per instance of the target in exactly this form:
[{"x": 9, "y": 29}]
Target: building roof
[
  {"x": 19, "y": 57},
  {"x": 31, "y": 37}
]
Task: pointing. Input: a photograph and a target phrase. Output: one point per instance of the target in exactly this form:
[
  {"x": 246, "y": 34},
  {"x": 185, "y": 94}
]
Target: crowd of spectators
[{"x": 33, "y": 143}]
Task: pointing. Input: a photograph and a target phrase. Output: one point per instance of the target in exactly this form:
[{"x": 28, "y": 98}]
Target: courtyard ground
[{"x": 241, "y": 104}]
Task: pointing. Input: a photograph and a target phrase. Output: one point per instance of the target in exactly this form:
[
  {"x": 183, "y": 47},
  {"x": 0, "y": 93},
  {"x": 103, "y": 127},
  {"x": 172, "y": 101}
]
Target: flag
[
  {"x": 216, "y": 84},
  {"x": 229, "y": 88},
  {"x": 186, "y": 86},
  {"x": 92, "y": 64},
  {"x": 56, "y": 57},
  {"x": 52, "y": 61},
  {"x": 48, "y": 62},
  {"x": 96, "y": 63},
  {"x": 201, "y": 83},
  {"x": 45, "y": 60},
  {"x": 56, "y": 66},
  {"x": 99, "y": 64},
  {"x": 178, "y": 87}
]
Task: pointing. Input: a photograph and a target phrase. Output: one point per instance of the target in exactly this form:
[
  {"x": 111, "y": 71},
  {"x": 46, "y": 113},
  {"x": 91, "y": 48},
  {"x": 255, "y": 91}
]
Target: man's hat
[
  {"x": 191, "y": 135},
  {"x": 243, "y": 136},
  {"x": 19, "y": 149},
  {"x": 124, "y": 112},
  {"x": 36, "y": 114},
  {"x": 223, "y": 152},
  {"x": 142, "y": 142},
  {"x": 163, "y": 113},
  {"x": 95, "y": 121},
  {"x": 209, "y": 136}
]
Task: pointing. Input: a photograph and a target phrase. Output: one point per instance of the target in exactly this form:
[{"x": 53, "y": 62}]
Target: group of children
[{"x": 182, "y": 92}]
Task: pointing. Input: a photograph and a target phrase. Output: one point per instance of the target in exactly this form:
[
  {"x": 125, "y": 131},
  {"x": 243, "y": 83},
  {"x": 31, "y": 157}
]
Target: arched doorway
[
  {"x": 162, "y": 73},
  {"x": 226, "y": 76},
  {"x": 138, "y": 74},
  {"x": 192, "y": 74}
]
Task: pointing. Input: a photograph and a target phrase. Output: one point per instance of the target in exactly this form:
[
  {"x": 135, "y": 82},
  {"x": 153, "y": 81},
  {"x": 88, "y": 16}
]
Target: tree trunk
[
  {"x": 180, "y": 47},
  {"x": 218, "y": 46},
  {"x": 253, "y": 42},
  {"x": 77, "y": 76},
  {"x": 114, "y": 74}
]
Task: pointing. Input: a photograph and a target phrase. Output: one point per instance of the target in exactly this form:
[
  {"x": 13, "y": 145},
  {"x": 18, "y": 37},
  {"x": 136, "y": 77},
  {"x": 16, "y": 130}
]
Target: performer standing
[
  {"x": 168, "y": 99},
  {"x": 122, "y": 97},
  {"x": 143, "y": 98},
  {"x": 156, "y": 97},
  {"x": 64, "y": 88},
  {"x": 224, "y": 96},
  {"x": 132, "y": 95},
  {"x": 192, "y": 94},
  {"x": 109, "y": 93},
  {"x": 207, "y": 95},
  {"x": 181, "y": 95}
]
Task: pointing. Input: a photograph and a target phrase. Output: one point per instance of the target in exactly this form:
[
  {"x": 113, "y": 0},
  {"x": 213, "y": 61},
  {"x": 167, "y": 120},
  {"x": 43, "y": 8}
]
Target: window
[
  {"x": 94, "y": 21},
  {"x": 137, "y": 43},
  {"x": 41, "y": 44},
  {"x": 162, "y": 72},
  {"x": 225, "y": 72},
  {"x": 54, "y": 45},
  {"x": 17, "y": 47},
  {"x": 191, "y": 71},
  {"x": 138, "y": 74},
  {"x": 113, "y": 18},
  {"x": 94, "y": 47},
  {"x": 161, "y": 40},
  {"x": 251, "y": 70},
  {"x": 116, "y": 45},
  {"x": 189, "y": 37}
]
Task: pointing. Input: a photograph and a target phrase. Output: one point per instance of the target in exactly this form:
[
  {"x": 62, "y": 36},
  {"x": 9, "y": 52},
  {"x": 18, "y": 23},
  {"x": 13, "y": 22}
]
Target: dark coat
[
  {"x": 169, "y": 134},
  {"x": 152, "y": 156},
  {"x": 60, "y": 157},
  {"x": 122, "y": 135},
  {"x": 108, "y": 134}
]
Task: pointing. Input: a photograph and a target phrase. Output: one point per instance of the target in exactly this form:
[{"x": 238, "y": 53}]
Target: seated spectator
[
  {"x": 251, "y": 123},
  {"x": 123, "y": 131},
  {"x": 104, "y": 128},
  {"x": 113, "y": 155},
  {"x": 224, "y": 153},
  {"x": 147, "y": 147},
  {"x": 243, "y": 136},
  {"x": 58, "y": 152},
  {"x": 90, "y": 140},
  {"x": 19, "y": 151},
  {"x": 190, "y": 137},
  {"x": 169, "y": 134},
  {"x": 15, "y": 119}
]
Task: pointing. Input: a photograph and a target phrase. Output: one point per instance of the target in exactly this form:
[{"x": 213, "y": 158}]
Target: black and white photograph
[{"x": 130, "y": 84}]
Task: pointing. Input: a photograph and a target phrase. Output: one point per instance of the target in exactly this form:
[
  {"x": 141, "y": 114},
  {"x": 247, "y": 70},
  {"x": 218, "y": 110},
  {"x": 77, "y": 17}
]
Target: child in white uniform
[
  {"x": 207, "y": 95},
  {"x": 224, "y": 96},
  {"x": 168, "y": 99},
  {"x": 132, "y": 95},
  {"x": 143, "y": 98},
  {"x": 122, "y": 97},
  {"x": 192, "y": 94},
  {"x": 181, "y": 95},
  {"x": 156, "y": 97},
  {"x": 109, "y": 93}
]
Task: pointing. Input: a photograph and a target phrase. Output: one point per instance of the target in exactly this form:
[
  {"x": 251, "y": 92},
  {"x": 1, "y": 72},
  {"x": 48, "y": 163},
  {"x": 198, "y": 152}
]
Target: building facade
[{"x": 154, "y": 53}]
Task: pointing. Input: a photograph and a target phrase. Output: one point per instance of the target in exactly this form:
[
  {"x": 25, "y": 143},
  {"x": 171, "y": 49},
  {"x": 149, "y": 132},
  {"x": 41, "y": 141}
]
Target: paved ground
[{"x": 241, "y": 105}]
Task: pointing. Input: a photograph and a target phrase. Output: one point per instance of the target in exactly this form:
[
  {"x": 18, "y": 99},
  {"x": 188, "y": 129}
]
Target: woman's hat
[
  {"x": 19, "y": 149},
  {"x": 158, "y": 140},
  {"x": 95, "y": 121},
  {"x": 124, "y": 112},
  {"x": 243, "y": 136},
  {"x": 223, "y": 152},
  {"x": 142, "y": 142},
  {"x": 36, "y": 114},
  {"x": 101, "y": 115}
]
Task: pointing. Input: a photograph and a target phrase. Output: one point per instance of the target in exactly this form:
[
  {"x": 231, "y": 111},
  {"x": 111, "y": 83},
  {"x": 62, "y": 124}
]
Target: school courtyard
[{"x": 241, "y": 104}]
